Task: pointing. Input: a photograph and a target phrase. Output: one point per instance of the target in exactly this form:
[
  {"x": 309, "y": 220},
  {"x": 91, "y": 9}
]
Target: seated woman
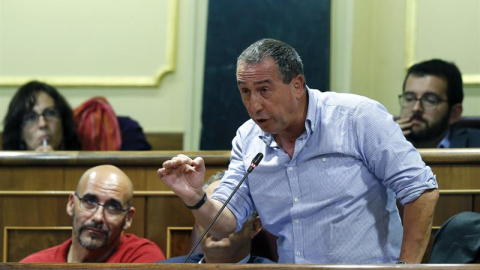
[{"x": 39, "y": 118}]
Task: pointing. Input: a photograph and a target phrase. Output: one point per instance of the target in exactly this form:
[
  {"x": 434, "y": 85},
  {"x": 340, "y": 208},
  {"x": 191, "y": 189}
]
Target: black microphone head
[{"x": 255, "y": 161}]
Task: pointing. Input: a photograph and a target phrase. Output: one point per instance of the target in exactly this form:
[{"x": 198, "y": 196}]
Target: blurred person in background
[
  {"x": 39, "y": 118},
  {"x": 431, "y": 103}
]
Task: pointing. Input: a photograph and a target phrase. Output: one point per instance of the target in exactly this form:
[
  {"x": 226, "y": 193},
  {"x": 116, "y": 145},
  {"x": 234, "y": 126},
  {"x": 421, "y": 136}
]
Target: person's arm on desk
[
  {"x": 185, "y": 177},
  {"x": 417, "y": 223}
]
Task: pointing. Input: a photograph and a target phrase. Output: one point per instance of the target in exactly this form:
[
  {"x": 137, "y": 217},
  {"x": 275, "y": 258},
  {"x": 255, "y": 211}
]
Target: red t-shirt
[{"x": 132, "y": 249}]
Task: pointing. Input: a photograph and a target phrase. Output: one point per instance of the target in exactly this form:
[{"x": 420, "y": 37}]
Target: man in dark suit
[
  {"x": 464, "y": 138},
  {"x": 431, "y": 103},
  {"x": 234, "y": 249}
]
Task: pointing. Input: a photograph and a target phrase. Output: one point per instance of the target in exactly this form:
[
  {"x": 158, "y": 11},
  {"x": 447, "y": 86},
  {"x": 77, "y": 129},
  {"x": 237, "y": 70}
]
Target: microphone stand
[{"x": 256, "y": 160}]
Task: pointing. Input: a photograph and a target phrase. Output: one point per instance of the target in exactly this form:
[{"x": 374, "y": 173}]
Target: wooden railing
[
  {"x": 34, "y": 189},
  {"x": 190, "y": 266}
]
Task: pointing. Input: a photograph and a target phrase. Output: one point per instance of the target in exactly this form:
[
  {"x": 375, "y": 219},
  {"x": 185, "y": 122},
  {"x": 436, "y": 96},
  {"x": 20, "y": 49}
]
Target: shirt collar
[
  {"x": 445, "y": 142},
  {"x": 312, "y": 112}
]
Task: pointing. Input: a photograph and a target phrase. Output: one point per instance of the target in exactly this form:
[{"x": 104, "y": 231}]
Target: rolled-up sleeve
[{"x": 394, "y": 160}]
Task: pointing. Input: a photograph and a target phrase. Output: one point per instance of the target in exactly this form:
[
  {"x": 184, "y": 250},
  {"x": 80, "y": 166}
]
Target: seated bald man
[
  {"x": 234, "y": 249},
  {"x": 97, "y": 231}
]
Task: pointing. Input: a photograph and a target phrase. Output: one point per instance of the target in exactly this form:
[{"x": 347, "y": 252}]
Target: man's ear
[
  {"x": 129, "y": 218},
  {"x": 298, "y": 83},
  {"x": 455, "y": 113},
  {"x": 256, "y": 227},
  {"x": 70, "y": 204}
]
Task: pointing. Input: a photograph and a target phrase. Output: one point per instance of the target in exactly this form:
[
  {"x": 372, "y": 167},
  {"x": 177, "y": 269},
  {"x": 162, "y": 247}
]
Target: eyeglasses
[
  {"x": 428, "y": 101},
  {"x": 111, "y": 209},
  {"x": 49, "y": 114}
]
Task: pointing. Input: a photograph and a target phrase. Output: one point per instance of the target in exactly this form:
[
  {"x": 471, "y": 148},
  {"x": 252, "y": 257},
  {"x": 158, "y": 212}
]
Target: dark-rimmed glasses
[
  {"x": 111, "y": 209},
  {"x": 49, "y": 114},
  {"x": 428, "y": 101}
]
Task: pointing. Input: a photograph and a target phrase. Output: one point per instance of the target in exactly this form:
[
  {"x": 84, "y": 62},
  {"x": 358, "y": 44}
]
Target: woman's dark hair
[{"x": 23, "y": 102}]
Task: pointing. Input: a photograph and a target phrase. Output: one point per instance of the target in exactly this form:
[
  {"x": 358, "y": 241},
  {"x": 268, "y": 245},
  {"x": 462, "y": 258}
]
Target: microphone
[{"x": 255, "y": 161}]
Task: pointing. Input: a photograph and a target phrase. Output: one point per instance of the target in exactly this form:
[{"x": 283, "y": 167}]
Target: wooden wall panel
[
  {"x": 33, "y": 210},
  {"x": 458, "y": 176},
  {"x": 450, "y": 204},
  {"x": 163, "y": 212},
  {"x": 31, "y": 178},
  {"x": 19, "y": 240},
  {"x": 138, "y": 225},
  {"x": 178, "y": 241},
  {"x": 72, "y": 175}
]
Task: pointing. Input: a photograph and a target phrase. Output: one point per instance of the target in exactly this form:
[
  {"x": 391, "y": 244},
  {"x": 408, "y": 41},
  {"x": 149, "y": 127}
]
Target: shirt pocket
[{"x": 330, "y": 177}]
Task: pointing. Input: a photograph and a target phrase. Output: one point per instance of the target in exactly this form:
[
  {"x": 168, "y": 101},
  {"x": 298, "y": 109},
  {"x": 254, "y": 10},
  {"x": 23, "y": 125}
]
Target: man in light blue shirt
[{"x": 334, "y": 166}]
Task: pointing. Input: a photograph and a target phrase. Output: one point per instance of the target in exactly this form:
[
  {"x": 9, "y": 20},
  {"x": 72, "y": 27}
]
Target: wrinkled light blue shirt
[{"x": 334, "y": 201}]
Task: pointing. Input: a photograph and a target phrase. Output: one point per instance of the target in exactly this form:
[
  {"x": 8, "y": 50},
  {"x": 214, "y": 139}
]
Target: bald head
[
  {"x": 107, "y": 178},
  {"x": 97, "y": 232}
]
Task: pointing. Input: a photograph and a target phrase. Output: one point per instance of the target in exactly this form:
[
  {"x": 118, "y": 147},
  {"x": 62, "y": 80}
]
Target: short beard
[
  {"x": 89, "y": 247},
  {"x": 430, "y": 132}
]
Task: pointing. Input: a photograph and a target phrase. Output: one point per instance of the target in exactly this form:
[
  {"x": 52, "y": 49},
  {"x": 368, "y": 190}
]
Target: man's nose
[
  {"x": 417, "y": 106},
  {"x": 98, "y": 215},
  {"x": 256, "y": 103}
]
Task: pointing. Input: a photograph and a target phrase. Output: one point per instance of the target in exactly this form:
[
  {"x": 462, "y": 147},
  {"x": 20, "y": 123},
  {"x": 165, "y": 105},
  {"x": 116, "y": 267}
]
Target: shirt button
[
  {"x": 299, "y": 253},
  {"x": 296, "y": 221},
  {"x": 324, "y": 159},
  {"x": 290, "y": 168},
  {"x": 296, "y": 199}
]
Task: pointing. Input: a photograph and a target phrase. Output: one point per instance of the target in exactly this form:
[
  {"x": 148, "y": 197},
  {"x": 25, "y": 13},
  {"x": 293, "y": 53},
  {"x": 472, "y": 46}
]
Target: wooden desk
[
  {"x": 15, "y": 266},
  {"x": 34, "y": 189}
]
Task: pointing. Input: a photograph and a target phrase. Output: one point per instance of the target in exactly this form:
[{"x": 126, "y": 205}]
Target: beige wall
[
  {"x": 171, "y": 106},
  {"x": 368, "y": 56},
  {"x": 373, "y": 42}
]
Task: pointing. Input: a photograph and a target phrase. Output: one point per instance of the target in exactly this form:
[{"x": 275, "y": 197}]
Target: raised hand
[{"x": 185, "y": 177}]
